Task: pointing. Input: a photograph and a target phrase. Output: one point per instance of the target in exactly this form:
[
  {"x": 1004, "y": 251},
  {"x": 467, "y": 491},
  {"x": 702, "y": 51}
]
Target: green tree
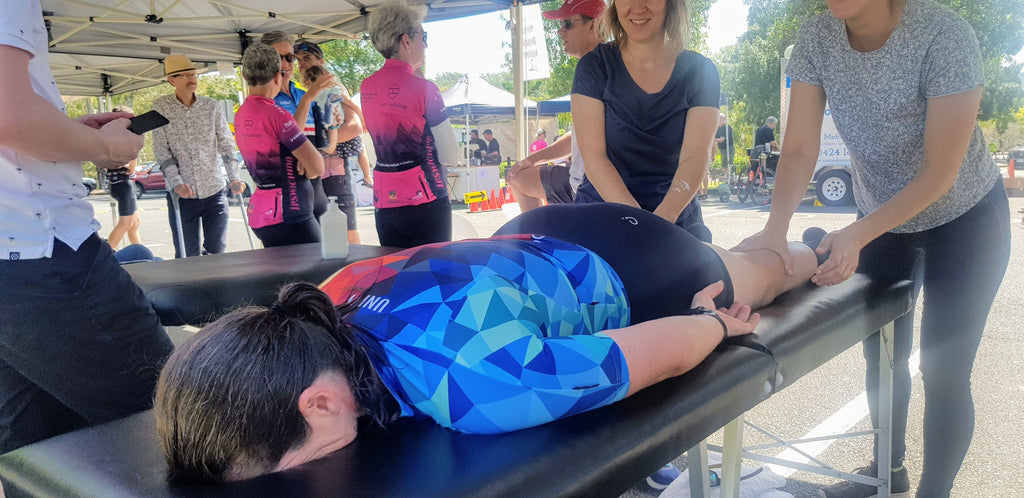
[
  {"x": 352, "y": 61},
  {"x": 444, "y": 81},
  {"x": 751, "y": 70}
]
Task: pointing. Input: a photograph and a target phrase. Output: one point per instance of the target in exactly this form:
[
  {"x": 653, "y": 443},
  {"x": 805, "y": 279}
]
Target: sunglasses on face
[
  {"x": 288, "y": 57},
  {"x": 567, "y": 24},
  {"x": 424, "y": 33}
]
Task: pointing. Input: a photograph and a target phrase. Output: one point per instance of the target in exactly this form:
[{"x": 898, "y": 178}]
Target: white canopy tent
[{"x": 104, "y": 47}]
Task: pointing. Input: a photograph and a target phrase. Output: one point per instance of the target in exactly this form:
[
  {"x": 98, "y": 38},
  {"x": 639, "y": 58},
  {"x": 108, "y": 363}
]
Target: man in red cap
[{"x": 533, "y": 180}]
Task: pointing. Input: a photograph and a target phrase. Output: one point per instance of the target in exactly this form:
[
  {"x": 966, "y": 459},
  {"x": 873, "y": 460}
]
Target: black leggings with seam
[{"x": 660, "y": 264}]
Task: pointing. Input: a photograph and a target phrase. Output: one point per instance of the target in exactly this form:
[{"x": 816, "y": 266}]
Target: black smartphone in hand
[{"x": 146, "y": 122}]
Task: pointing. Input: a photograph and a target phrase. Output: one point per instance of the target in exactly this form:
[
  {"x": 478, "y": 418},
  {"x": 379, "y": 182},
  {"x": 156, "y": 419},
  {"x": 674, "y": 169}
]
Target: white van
[{"x": 832, "y": 179}]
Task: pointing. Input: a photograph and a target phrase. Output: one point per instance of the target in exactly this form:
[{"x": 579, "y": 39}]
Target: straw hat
[{"x": 178, "y": 63}]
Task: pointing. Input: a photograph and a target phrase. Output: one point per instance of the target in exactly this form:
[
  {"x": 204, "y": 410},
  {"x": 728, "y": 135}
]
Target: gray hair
[
  {"x": 275, "y": 37},
  {"x": 771, "y": 120},
  {"x": 389, "y": 22},
  {"x": 259, "y": 64}
]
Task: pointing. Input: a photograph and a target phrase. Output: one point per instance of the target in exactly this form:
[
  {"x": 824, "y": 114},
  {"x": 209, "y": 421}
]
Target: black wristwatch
[{"x": 700, "y": 310}]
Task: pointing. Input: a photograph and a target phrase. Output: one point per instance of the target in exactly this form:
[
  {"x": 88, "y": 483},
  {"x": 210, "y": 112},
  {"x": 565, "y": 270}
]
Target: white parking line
[{"x": 840, "y": 422}]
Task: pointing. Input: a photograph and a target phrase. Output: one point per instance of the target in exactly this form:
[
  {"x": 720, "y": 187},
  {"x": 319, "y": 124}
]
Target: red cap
[{"x": 589, "y": 8}]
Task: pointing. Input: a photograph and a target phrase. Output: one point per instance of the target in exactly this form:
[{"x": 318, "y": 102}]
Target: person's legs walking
[
  {"x": 214, "y": 216},
  {"x": 190, "y": 211}
]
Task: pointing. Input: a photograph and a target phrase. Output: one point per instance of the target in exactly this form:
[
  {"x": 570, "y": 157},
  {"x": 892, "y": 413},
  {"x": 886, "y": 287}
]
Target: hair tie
[{"x": 282, "y": 310}]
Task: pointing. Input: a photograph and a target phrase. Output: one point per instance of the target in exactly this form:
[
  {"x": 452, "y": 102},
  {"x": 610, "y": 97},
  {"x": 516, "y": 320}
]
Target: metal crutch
[
  {"x": 177, "y": 221},
  {"x": 245, "y": 218}
]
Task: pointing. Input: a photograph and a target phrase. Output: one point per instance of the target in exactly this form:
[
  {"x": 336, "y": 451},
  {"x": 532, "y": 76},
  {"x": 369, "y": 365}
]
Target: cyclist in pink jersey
[
  {"x": 411, "y": 134},
  {"x": 277, "y": 154}
]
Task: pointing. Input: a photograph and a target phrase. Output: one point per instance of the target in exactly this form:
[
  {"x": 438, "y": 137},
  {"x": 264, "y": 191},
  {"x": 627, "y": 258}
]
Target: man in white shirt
[
  {"x": 187, "y": 150},
  {"x": 79, "y": 342}
]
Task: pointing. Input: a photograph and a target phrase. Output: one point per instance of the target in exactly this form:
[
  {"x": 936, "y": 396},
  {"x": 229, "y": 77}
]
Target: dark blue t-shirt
[{"x": 644, "y": 132}]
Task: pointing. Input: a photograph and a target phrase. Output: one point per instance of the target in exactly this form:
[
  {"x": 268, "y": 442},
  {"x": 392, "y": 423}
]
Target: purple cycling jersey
[
  {"x": 400, "y": 108},
  {"x": 266, "y": 136}
]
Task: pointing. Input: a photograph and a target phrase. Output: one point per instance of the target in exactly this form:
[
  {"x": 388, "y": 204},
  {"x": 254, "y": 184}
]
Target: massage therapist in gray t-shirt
[{"x": 904, "y": 82}]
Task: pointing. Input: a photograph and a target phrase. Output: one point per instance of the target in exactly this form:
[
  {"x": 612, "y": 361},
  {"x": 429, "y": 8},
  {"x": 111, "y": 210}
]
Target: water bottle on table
[{"x": 334, "y": 231}]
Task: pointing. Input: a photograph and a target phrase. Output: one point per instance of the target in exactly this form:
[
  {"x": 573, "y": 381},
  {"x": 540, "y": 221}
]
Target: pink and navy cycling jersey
[
  {"x": 400, "y": 108},
  {"x": 266, "y": 136}
]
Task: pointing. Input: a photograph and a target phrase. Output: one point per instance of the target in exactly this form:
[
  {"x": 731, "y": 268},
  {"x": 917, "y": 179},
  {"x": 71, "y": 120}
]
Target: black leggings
[
  {"x": 661, "y": 265},
  {"x": 960, "y": 266}
]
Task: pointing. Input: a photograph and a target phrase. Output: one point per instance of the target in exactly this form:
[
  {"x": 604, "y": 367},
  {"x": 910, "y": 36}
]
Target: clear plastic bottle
[{"x": 334, "y": 231}]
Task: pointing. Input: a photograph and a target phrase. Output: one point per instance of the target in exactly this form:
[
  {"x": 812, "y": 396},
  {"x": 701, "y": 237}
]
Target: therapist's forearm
[
  {"x": 608, "y": 183},
  {"x": 793, "y": 175}
]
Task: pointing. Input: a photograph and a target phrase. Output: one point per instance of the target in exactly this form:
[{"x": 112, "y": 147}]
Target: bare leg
[
  {"x": 123, "y": 225},
  {"x": 133, "y": 230},
  {"x": 758, "y": 277},
  {"x": 528, "y": 189},
  {"x": 364, "y": 164}
]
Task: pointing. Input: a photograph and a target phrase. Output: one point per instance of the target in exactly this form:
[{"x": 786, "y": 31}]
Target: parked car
[
  {"x": 90, "y": 184},
  {"x": 1017, "y": 154},
  {"x": 149, "y": 178}
]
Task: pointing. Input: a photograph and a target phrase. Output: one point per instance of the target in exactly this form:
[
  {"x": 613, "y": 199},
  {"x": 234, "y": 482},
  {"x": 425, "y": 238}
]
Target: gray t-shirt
[{"x": 879, "y": 100}]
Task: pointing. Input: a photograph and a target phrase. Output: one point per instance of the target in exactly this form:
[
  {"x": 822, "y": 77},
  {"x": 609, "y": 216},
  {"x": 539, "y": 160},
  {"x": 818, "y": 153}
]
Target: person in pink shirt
[
  {"x": 413, "y": 138},
  {"x": 277, "y": 154},
  {"x": 540, "y": 143}
]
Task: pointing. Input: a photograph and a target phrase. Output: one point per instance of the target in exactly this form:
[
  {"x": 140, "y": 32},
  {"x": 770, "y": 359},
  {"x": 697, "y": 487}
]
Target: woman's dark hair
[{"x": 227, "y": 400}]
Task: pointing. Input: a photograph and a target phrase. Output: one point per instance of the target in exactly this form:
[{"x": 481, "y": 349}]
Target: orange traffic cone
[
  {"x": 1012, "y": 166},
  {"x": 474, "y": 207},
  {"x": 490, "y": 202},
  {"x": 511, "y": 196},
  {"x": 500, "y": 199}
]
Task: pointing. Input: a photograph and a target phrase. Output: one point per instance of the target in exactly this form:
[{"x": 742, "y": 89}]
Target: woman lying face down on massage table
[{"x": 473, "y": 334}]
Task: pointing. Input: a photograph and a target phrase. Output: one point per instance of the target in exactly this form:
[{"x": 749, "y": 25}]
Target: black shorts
[
  {"x": 340, "y": 186},
  {"x": 661, "y": 265},
  {"x": 555, "y": 180},
  {"x": 122, "y": 189}
]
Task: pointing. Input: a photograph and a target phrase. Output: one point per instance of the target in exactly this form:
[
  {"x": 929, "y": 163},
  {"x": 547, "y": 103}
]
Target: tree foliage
[
  {"x": 352, "y": 61},
  {"x": 751, "y": 68}
]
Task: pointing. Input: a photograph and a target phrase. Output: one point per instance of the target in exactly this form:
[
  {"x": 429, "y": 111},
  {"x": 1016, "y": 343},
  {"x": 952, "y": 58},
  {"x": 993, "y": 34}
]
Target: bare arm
[
  {"x": 353, "y": 125},
  {"x": 948, "y": 126},
  {"x": 310, "y": 160},
  {"x": 693, "y": 160},
  {"x": 560, "y": 149},
  {"x": 103, "y": 139},
  {"x": 666, "y": 347},
  {"x": 796, "y": 165},
  {"x": 447, "y": 146},
  {"x": 588, "y": 114}
]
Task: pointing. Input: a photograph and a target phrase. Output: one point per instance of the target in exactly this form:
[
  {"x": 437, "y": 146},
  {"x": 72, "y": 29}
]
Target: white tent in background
[{"x": 473, "y": 97}]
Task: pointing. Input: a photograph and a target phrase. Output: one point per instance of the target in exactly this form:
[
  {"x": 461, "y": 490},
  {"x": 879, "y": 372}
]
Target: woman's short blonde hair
[
  {"x": 676, "y": 27},
  {"x": 389, "y": 22}
]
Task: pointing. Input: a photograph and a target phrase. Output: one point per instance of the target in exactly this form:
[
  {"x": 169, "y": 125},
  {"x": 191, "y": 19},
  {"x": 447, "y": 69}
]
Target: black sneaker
[
  {"x": 899, "y": 485},
  {"x": 812, "y": 238}
]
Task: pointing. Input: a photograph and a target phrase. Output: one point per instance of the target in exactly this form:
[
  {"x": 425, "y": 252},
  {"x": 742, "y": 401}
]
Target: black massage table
[
  {"x": 194, "y": 291},
  {"x": 600, "y": 453}
]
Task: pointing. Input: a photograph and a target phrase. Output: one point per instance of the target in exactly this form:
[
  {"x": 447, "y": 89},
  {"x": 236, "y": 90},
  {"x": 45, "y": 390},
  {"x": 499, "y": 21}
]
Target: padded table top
[
  {"x": 600, "y": 453},
  {"x": 196, "y": 290}
]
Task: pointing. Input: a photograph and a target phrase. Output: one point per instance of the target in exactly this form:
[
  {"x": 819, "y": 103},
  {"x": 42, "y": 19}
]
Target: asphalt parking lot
[{"x": 992, "y": 467}]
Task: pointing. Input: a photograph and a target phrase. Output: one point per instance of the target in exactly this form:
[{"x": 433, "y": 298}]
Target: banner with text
[{"x": 535, "y": 49}]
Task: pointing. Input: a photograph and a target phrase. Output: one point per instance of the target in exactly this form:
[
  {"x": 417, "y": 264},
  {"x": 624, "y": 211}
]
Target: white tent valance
[{"x": 101, "y": 47}]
